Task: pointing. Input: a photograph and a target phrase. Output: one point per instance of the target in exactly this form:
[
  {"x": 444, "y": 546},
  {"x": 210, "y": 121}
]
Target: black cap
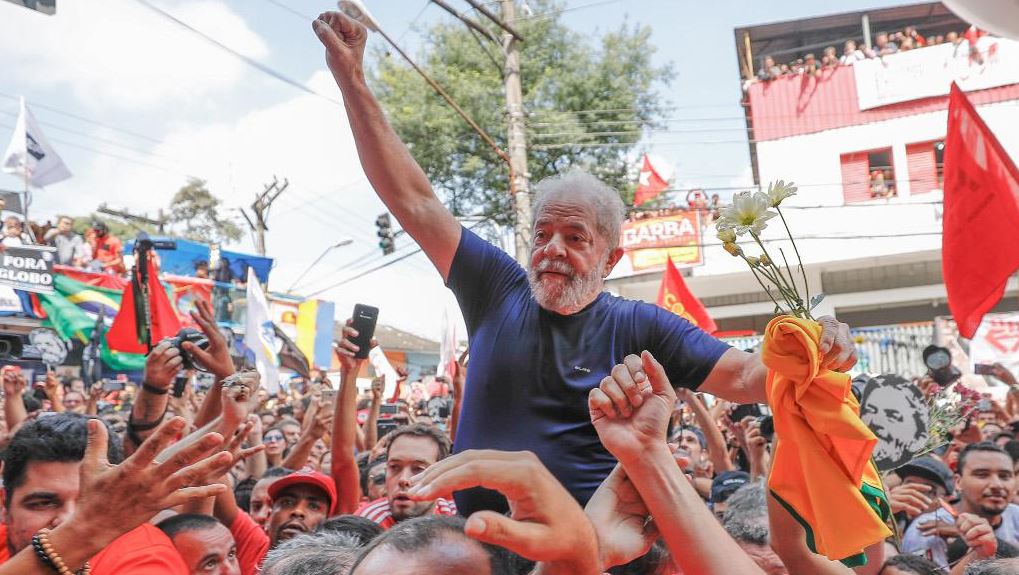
[
  {"x": 930, "y": 469},
  {"x": 726, "y": 483}
]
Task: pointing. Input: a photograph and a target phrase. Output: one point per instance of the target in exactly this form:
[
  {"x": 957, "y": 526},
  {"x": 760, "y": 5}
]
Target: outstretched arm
[
  {"x": 630, "y": 411},
  {"x": 344, "y": 467},
  {"x": 392, "y": 171}
]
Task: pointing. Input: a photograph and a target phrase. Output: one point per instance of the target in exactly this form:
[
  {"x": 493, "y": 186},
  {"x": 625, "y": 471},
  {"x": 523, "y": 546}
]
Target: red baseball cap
[{"x": 313, "y": 478}]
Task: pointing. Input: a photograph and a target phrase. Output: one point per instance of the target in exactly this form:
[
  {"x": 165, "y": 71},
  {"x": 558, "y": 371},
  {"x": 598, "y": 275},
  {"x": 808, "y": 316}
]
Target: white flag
[
  {"x": 450, "y": 338},
  {"x": 260, "y": 336},
  {"x": 30, "y": 155}
]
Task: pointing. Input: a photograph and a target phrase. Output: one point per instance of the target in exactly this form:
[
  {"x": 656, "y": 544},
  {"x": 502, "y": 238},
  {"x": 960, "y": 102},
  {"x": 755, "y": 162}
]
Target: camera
[
  {"x": 194, "y": 336},
  {"x": 939, "y": 365}
]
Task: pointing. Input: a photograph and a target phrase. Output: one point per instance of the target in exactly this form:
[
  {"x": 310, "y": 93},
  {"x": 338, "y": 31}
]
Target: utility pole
[
  {"x": 517, "y": 140},
  {"x": 260, "y": 209},
  {"x": 132, "y": 219}
]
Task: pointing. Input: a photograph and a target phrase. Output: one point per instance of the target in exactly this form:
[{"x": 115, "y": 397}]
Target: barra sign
[
  {"x": 27, "y": 268},
  {"x": 649, "y": 243}
]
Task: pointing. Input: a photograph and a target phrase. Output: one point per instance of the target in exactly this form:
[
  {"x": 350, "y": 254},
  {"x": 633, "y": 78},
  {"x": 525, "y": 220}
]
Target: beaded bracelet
[{"x": 49, "y": 556}]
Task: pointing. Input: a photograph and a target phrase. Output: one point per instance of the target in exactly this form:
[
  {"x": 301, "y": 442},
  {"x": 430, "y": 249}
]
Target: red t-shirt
[
  {"x": 252, "y": 543},
  {"x": 379, "y": 512},
  {"x": 144, "y": 550},
  {"x": 107, "y": 249}
]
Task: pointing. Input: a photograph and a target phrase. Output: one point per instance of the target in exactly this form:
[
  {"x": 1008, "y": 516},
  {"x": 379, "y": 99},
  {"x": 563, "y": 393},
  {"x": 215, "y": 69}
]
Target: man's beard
[{"x": 571, "y": 296}]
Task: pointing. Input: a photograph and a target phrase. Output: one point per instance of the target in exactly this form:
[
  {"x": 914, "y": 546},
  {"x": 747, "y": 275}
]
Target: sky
[{"x": 136, "y": 102}]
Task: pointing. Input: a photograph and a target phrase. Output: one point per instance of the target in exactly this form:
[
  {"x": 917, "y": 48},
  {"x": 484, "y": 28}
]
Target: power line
[
  {"x": 554, "y": 13},
  {"x": 92, "y": 136},
  {"x": 246, "y": 59},
  {"x": 283, "y": 6},
  {"x": 701, "y": 245},
  {"x": 84, "y": 119},
  {"x": 111, "y": 155}
]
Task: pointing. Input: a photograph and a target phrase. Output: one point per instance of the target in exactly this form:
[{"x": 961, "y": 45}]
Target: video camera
[
  {"x": 11, "y": 347},
  {"x": 939, "y": 365}
]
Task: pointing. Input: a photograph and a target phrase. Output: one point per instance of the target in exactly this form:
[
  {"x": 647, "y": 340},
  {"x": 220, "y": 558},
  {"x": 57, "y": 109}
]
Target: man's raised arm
[{"x": 397, "y": 178}]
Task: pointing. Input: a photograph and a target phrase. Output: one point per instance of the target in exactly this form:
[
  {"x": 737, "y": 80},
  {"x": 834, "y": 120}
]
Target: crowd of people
[
  {"x": 581, "y": 434},
  {"x": 885, "y": 43},
  {"x": 97, "y": 251}
]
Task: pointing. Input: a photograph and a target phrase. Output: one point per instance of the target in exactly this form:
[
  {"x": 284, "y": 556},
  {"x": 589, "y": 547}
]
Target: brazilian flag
[{"x": 71, "y": 311}]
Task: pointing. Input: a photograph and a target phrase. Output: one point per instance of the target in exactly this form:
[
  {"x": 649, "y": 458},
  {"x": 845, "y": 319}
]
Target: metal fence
[{"x": 885, "y": 349}]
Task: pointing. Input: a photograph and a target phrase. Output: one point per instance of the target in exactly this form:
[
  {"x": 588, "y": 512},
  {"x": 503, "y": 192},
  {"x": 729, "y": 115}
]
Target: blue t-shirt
[{"x": 531, "y": 369}]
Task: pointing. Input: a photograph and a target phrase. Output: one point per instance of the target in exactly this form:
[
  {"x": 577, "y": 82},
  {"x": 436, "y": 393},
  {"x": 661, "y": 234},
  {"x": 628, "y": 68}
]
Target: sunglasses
[{"x": 272, "y": 438}]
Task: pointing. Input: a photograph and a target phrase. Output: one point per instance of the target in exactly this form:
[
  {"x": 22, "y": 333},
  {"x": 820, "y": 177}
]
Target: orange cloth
[{"x": 821, "y": 469}]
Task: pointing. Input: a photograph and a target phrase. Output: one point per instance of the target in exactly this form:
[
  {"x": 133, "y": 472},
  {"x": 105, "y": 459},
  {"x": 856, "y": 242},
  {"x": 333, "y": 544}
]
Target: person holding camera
[{"x": 162, "y": 366}]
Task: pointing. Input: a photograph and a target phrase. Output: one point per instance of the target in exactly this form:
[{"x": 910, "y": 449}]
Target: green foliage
[
  {"x": 196, "y": 209},
  {"x": 124, "y": 231},
  {"x": 563, "y": 73}
]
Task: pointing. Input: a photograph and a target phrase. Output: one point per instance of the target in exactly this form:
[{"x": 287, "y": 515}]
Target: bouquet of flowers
[
  {"x": 948, "y": 409},
  {"x": 748, "y": 216}
]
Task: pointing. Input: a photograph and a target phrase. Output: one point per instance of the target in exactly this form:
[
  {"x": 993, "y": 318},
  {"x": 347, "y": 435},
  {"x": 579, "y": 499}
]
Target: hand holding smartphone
[{"x": 364, "y": 319}]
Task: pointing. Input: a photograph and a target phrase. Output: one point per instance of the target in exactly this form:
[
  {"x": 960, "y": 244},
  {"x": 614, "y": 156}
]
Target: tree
[
  {"x": 588, "y": 101},
  {"x": 123, "y": 230},
  {"x": 196, "y": 209}
]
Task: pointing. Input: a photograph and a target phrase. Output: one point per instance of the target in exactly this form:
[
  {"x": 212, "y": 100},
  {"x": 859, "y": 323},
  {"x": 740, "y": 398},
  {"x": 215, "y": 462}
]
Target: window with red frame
[
  {"x": 926, "y": 166},
  {"x": 868, "y": 175}
]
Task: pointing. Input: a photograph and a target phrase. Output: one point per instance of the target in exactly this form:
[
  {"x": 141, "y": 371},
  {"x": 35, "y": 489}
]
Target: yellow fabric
[{"x": 822, "y": 456}]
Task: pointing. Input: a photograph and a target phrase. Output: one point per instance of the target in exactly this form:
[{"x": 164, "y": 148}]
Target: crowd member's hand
[
  {"x": 95, "y": 392},
  {"x": 216, "y": 358},
  {"x": 162, "y": 365},
  {"x": 460, "y": 373},
  {"x": 749, "y": 429},
  {"x": 620, "y": 520},
  {"x": 836, "y": 346},
  {"x": 978, "y": 535},
  {"x": 237, "y": 393},
  {"x": 1002, "y": 373},
  {"x": 938, "y": 528},
  {"x": 142, "y": 488},
  {"x": 637, "y": 382},
  {"x": 322, "y": 424},
  {"x": 345, "y": 348},
  {"x": 234, "y": 447},
  {"x": 54, "y": 390},
  {"x": 344, "y": 40},
  {"x": 910, "y": 498},
  {"x": 14, "y": 382},
  {"x": 378, "y": 385},
  {"x": 545, "y": 523}
]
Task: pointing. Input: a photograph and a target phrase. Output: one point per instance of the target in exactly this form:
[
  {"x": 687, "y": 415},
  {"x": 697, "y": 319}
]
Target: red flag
[
  {"x": 123, "y": 335},
  {"x": 674, "y": 296},
  {"x": 651, "y": 183},
  {"x": 980, "y": 242}
]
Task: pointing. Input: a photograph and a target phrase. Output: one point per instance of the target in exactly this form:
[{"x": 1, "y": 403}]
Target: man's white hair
[{"x": 608, "y": 207}]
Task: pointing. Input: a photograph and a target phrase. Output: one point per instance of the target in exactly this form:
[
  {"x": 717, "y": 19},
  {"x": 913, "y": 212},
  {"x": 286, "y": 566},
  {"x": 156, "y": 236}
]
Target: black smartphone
[
  {"x": 179, "y": 385},
  {"x": 767, "y": 427},
  {"x": 983, "y": 369},
  {"x": 364, "y": 317},
  {"x": 384, "y": 426},
  {"x": 389, "y": 409}
]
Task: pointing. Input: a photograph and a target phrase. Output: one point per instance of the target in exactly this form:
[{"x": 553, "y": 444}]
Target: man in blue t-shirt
[{"x": 542, "y": 338}]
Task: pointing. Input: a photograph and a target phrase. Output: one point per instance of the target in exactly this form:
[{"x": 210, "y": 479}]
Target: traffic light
[{"x": 386, "y": 239}]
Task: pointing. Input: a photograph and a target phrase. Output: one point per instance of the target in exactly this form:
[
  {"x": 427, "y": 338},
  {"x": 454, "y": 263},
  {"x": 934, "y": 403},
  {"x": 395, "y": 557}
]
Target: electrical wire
[
  {"x": 246, "y": 59},
  {"x": 701, "y": 245},
  {"x": 56, "y": 110},
  {"x": 92, "y": 137}
]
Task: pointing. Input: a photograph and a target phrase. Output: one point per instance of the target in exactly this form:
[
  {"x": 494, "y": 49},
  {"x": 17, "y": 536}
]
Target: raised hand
[
  {"x": 620, "y": 520},
  {"x": 378, "y": 385},
  {"x": 142, "y": 486},
  {"x": 545, "y": 523},
  {"x": 162, "y": 365},
  {"x": 215, "y": 358},
  {"x": 345, "y": 348},
  {"x": 344, "y": 40},
  {"x": 631, "y": 408},
  {"x": 911, "y": 498},
  {"x": 238, "y": 394},
  {"x": 14, "y": 381},
  {"x": 836, "y": 345},
  {"x": 978, "y": 534}
]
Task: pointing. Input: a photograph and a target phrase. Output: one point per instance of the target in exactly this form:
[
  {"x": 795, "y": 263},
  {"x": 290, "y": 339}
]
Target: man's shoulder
[
  {"x": 374, "y": 510},
  {"x": 145, "y": 550}
]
